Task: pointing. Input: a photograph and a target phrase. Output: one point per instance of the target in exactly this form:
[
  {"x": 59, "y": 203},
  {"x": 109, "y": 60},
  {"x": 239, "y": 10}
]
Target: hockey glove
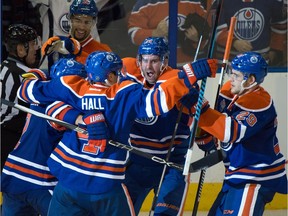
[
  {"x": 189, "y": 100},
  {"x": 35, "y": 74},
  {"x": 98, "y": 132},
  {"x": 198, "y": 70},
  {"x": 206, "y": 143},
  {"x": 204, "y": 106},
  {"x": 61, "y": 44},
  {"x": 63, "y": 112}
]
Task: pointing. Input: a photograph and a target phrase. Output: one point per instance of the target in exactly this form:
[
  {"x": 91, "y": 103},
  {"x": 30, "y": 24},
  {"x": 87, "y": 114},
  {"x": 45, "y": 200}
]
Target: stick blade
[{"x": 207, "y": 161}]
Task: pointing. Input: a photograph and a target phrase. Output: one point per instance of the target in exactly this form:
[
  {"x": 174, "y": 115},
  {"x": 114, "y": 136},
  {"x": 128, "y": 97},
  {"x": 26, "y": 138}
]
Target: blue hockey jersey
[
  {"x": 248, "y": 133},
  {"x": 26, "y": 166},
  {"x": 154, "y": 135},
  {"x": 121, "y": 104}
]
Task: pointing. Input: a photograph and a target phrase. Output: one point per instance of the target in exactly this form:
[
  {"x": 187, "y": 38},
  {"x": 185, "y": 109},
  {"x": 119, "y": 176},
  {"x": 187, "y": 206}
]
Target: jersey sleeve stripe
[
  {"x": 28, "y": 171},
  {"x": 87, "y": 165}
]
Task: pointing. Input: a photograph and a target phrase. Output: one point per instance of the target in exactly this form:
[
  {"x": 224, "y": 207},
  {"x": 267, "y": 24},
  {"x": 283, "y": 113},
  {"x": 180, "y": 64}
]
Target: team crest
[
  {"x": 70, "y": 63},
  {"x": 109, "y": 58},
  {"x": 147, "y": 121},
  {"x": 254, "y": 59},
  {"x": 250, "y": 24},
  {"x": 64, "y": 23}
]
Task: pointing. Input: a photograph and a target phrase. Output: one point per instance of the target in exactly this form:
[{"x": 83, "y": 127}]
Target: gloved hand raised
[
  {"x": 198, "y": 70},
  {"x": 61, "y": 44},
  {"x": 35, "y": 73},
  {"x": 206, "y": 142},
  {"x": 190, "y": 101},
  {"x": 98, "y": 132}
]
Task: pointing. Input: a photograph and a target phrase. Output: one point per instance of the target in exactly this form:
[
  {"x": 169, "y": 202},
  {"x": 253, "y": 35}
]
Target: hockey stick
[
  {"x": 151, "y": 213},
  {"x": 194, "y": 125},
  {"x": 223, "y": 70},
  {"x": 45, "y": 55},
  {"x": 195, "y": 167},
  {"x": 226, "y": 57},
  {"x": 200, "y": 99},
  {"x": 41, "y": 115},
  {"x": 156, "y": 195},
  {"x": 42, "y": 60}
]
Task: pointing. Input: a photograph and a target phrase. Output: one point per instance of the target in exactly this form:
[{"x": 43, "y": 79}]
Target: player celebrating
[
  {"x": 82, "y": 15},
  {"x": 154, "y": 135},
  {"x": 246, "y": 127},
  {"x": 96, "y": 172},
  {"x": 26, "y": 181}
]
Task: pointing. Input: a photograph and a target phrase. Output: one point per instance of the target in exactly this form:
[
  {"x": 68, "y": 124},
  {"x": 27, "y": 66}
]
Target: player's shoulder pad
[
  {"x": 256, "y": 101},
  {"x": 168, "y": 73},
  {"x": 131, "y": 69}
]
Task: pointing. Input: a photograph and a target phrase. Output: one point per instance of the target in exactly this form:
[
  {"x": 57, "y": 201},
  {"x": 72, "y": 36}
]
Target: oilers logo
[
  {"x": 147, "y": 121},
  {"x": 109, "y": 58},
  {"x": 250, "y": 24},
  {"x": 70, "y": 63},
  {"x": 64, "y": 23},
  {"x": 254, "y": 59},
  {"x": 180, "y": 21}
]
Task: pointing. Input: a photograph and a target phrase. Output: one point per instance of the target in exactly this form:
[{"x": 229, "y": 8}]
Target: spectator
[
  {"x": 150, "y": 18},
  {"x": 23, "y": 49},
  {"x": 260, "y": 27}
]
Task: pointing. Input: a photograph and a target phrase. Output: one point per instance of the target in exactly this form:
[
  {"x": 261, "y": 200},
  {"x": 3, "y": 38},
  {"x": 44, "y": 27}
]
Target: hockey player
[
  {"x": 55, "y": 17},
  {"x": 154, "y": 135},
  {"x": 90, "y": 173},
  {"x": 96, "y": 171},
  {"x": 246, "y": 126},
  {"x": 82, "y": 15},
  {"x": 24, "y": 52},
  {"x": 26, "y": 181}
]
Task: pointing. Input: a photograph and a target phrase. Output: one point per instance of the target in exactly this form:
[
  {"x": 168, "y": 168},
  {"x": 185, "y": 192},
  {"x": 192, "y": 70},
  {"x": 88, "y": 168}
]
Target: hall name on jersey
[{"x": 91, "y": 104}]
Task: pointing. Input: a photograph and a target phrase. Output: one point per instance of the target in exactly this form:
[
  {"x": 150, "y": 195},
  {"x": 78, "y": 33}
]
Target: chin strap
[
  {"x": 249, "y": 88},
  {"x": 163, "y": 67},
  {"x": 107, "y": 83}
]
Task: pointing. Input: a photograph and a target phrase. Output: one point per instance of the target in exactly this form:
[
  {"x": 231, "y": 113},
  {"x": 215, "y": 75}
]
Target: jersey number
[
  {"x": 249, "y": 117},
  {"x": 90, "y": 149}
]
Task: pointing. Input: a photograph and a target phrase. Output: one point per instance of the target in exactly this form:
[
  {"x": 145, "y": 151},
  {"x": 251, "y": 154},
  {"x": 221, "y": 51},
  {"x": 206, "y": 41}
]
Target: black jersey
[{"x": 11, "y": 71}]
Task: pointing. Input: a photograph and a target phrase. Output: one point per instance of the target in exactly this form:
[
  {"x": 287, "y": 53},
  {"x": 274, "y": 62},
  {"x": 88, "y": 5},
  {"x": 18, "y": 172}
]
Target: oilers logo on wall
[
  {"x": 64, "y": 23},
  {"x": 180, "y": 20},
  {"x": 250, "y": 24}
]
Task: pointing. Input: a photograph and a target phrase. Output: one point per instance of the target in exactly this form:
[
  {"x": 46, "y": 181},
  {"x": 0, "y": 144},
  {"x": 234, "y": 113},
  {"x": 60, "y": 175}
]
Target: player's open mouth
[{"x": 150, "y": 74}]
